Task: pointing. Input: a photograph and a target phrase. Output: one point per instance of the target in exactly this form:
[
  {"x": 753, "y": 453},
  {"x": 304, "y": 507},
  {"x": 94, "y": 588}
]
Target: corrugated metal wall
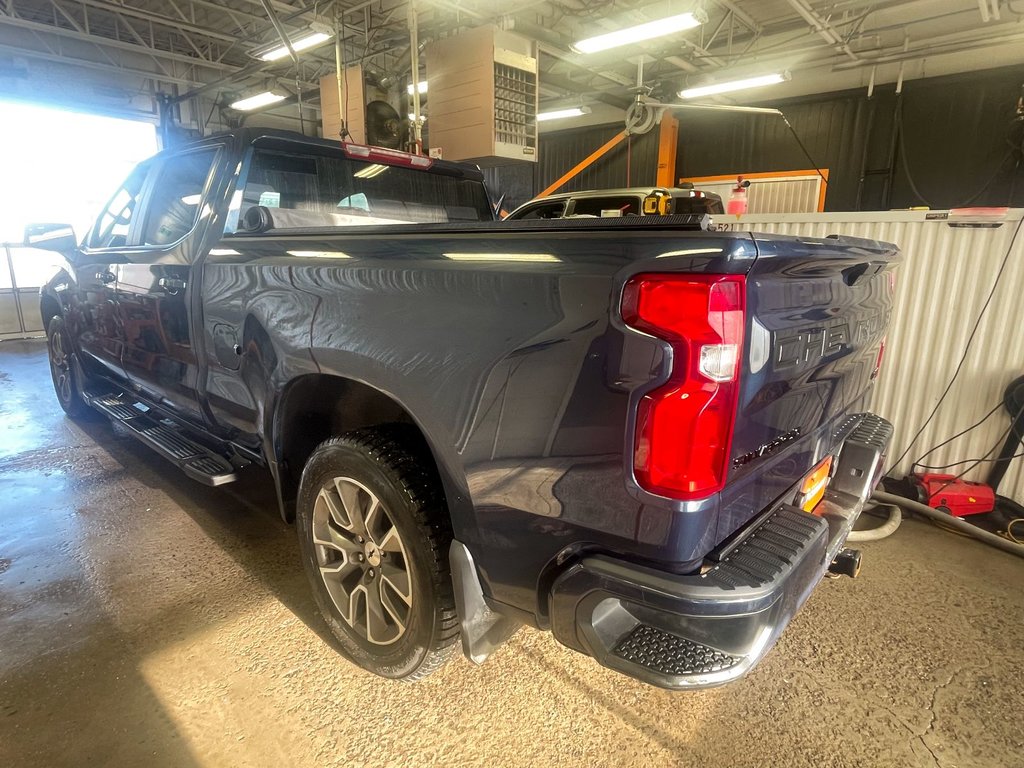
[
  {"x": 946, "y": 276},
  {"x": 797, "y": 194}
]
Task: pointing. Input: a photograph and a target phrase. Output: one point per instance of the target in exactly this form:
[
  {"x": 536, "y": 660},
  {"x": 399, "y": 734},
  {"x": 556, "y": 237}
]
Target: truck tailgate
[{"x": 817, "y": 311}]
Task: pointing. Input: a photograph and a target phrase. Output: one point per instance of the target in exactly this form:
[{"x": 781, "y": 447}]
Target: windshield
[{"x": 304, "y": 190}]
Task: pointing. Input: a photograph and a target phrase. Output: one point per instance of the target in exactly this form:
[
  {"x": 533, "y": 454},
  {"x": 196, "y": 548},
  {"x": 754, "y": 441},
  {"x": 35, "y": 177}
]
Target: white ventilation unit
[{"x": 483, "y": 96}]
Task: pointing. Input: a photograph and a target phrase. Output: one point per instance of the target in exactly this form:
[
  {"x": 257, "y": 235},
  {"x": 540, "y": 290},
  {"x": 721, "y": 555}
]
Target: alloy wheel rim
[
  {"x": 59, "y": 367},
  {"x": 362, "y": 560}
]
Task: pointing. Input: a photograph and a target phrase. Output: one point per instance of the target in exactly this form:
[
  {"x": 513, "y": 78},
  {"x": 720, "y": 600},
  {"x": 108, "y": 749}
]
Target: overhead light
[
  {"x": 734, "y": 85},
  {"x": 639, "y": 33},
  {"x": 421, "y": 87},
  {"x": 370, "y": 171},
  {"x": 319, "y": 254},
  {"x": 259, "y": 100},
  {"x": 530, "y": 257},
  {"x": 308, "y": 39},
  {"x": 559, "y": 114}
]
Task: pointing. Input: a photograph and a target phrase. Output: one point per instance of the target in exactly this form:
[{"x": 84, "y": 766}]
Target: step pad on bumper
[
  {"x": 165, "y": 437},
  {"x": 669, "y": 654},
  {"x": 768, "y": 551}
]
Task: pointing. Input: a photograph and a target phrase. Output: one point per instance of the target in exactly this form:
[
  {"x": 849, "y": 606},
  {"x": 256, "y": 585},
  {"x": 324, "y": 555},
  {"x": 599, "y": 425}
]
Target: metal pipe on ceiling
[
  {"x": 822, "y": 27},
  {"x": 155, "y": 53},
  {"x": 952, "y": 48},
  {"x": 272, "y": 15},
  {"x": 414, "y": 63}
]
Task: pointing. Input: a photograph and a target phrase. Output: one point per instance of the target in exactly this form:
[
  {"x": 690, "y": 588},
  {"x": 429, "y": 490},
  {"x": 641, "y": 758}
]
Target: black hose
[{"x": 953, "y": 522}]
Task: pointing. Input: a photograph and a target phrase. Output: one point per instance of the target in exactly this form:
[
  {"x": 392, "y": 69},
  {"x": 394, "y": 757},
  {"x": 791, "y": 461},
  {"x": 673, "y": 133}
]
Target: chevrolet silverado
[{"x": 647, "y": 437}]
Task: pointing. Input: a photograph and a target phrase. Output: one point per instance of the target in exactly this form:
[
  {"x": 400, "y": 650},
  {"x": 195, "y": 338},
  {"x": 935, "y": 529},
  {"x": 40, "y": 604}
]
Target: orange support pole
[
  {"x": 592, "y": 158},
  {"x": 668, "y": 139}
]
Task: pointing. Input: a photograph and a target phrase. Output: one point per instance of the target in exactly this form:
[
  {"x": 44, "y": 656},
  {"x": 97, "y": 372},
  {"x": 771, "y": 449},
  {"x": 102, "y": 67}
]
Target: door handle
[
  {"x": 171, "y": 284},
  {"x": 105, "y": 277}
]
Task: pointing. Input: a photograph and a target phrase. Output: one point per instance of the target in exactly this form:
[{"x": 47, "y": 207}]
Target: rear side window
[
  {"x": 113, "y": 226},
  {"x": 173, "y": 208},
  {"x": 318, "y": 191}
]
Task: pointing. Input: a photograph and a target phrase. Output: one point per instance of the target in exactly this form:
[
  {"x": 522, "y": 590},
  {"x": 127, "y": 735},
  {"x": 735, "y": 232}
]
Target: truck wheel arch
[
  {"x": 49, "y": 308},
  {"x": 315, "y": 407}
]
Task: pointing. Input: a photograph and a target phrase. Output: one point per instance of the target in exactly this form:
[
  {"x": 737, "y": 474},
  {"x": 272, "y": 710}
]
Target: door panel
[
  {"x": 92, "y": 315},
  {"x": 159, "y": 356}
]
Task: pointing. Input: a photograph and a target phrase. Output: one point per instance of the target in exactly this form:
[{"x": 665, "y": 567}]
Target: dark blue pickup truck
[{"x": 644, "y": 436}]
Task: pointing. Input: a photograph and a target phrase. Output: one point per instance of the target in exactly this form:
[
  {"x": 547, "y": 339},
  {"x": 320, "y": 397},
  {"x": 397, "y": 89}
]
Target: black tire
[
  {"x": 64, "y": 373},
  {"x": 391, "y": 465}
]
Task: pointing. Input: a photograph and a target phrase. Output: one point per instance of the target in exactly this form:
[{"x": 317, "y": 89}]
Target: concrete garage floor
[{"x": 149, "y": 620}]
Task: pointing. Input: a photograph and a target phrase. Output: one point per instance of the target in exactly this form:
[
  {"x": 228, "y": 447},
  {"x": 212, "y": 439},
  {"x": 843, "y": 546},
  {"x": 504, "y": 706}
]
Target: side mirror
[{"x": 51, "y": 237}]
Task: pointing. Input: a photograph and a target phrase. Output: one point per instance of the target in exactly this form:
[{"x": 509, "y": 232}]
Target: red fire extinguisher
[{"x": 737, "y": 204}]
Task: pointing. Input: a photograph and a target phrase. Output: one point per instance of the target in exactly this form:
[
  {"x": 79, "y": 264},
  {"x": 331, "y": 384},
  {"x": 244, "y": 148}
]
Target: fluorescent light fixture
[
  {"x": 559, "y": 114},
  {"x": 689, "y": 252},
  {"x": 639, "y": 33},
  {"x": 370, "y": 171},
  {"x": 734, "y": 85},
  {"x": 259, "y": 100},
  {"x": 307, "y": 40},
  {"x": 547, "y": 257},
  {"x": 421, "y": 87},
  {"x": 319, "y": 254}
]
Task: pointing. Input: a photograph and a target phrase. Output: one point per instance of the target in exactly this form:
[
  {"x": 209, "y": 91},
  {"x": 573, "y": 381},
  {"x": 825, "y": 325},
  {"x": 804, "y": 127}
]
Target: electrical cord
[
  {"x": 803, "y": 149},
  {"x": 1016, "y": 147},
  {"x": 913, "y": 185},
  {"x": 967, "y": 346},
  {"x": 961, "y": 433},
  {"x": 1009, "y": 530},
  {"x": 977, "y": 462}
]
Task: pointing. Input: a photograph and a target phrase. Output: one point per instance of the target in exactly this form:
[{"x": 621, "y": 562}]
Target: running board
[{"x": 165, "y": 437}]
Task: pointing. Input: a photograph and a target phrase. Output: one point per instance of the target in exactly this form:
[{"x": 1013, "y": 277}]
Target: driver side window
[{"x": 113, "y": 227}]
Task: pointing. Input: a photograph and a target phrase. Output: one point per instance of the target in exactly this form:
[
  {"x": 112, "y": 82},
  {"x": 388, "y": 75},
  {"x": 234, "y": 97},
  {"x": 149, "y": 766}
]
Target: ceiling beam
[
  {"x": 76, "y": 61},
  {"x": 143, "y": 50}
]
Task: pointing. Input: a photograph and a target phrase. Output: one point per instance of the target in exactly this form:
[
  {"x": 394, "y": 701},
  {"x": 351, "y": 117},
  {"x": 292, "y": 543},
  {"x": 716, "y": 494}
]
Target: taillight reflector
[
  {"x": 813, "y": 488},
  {"x": 684, "y": 427}
]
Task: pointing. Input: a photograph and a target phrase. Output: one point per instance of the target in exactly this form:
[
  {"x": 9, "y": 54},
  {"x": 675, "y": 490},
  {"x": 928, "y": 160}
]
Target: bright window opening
[{"x": 62, "y": 166}]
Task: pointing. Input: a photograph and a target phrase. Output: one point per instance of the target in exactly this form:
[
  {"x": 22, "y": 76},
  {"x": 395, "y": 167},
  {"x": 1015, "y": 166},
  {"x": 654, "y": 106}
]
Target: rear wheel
[
  {"x": 374, "y": 535},
  {"x": 63, "y": 372}
]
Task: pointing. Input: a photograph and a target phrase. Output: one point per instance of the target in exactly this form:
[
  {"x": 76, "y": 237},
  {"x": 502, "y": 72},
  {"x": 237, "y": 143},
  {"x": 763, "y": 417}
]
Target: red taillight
[
  {"x": 878, "y": 360},
  {"x": 684, "y": 427}
]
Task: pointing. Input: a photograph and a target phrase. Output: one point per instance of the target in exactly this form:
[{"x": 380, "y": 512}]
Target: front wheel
[
  {"x": 63, "y": 372},
  {"x": 374, "y": 535}
]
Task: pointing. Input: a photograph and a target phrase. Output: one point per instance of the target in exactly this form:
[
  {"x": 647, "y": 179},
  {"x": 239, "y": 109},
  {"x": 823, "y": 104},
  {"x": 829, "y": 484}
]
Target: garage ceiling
[{"x": 180, "y": 45}]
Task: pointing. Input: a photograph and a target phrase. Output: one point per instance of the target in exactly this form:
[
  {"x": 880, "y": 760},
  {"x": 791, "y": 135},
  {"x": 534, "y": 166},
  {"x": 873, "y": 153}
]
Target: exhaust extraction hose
[
  {"x": 888, "y": 528},
  {"x": 952, "y": 522}
]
